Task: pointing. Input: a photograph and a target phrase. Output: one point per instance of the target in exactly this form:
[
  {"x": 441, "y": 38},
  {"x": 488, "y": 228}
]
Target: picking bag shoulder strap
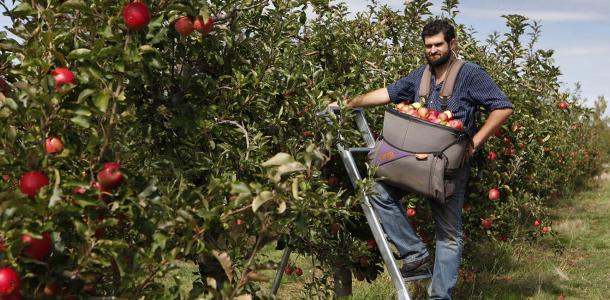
[{"x": 448, "y": 84}]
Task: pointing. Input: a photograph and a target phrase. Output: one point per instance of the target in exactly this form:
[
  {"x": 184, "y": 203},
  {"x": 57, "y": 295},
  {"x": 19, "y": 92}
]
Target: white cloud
[
  {"x": 583, "y": 50},
  {"x": 539, "y": 15}
]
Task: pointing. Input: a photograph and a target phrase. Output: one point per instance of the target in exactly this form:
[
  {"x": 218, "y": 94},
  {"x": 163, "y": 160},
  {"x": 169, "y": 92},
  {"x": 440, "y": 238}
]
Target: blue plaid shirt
[{"x": 473, "y": 88}]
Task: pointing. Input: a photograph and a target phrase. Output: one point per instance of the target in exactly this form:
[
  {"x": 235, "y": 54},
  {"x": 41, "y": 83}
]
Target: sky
[{"x": 578, "y": 31}]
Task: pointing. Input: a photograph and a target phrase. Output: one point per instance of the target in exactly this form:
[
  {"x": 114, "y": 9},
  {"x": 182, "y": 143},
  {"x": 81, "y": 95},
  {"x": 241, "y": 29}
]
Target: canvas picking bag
[{"x": 421, "y": 156}]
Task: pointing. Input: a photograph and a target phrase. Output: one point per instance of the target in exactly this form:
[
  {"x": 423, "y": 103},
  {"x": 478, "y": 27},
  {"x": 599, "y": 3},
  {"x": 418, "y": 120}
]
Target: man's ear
[{"x": 452, "y": 44}]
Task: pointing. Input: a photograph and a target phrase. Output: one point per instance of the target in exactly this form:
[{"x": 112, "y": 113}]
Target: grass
[{"x": 507, "y": 270}]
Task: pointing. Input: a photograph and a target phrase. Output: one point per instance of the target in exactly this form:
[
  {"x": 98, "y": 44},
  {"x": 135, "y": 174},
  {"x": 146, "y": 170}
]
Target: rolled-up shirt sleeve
[
  {"x": 484, "y": 91},
  {"x": 405, "y": 89}
]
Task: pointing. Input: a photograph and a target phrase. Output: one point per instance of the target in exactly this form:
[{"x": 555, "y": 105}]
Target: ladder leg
[{"x": 280, "y": 271}]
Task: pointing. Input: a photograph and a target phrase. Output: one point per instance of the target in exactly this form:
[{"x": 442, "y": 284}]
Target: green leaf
[
  {"x": 23, "y": 10},
  {"x": 81, "y": 121},
  {"x": 84, "y": 94},
  {"x": 79, "y": 53},
  {"x": 279, "y": 159},
  {"x": 74, "y": 4},
  {"x": 259, "y": 200},
  {"x": 240, "y": 187},
  {"x": 101, "y": 100}
]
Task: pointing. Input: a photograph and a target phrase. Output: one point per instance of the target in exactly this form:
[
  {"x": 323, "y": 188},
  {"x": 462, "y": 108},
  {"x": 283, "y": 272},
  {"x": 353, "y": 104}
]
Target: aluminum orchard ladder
[{"x": 374, "y": 223}]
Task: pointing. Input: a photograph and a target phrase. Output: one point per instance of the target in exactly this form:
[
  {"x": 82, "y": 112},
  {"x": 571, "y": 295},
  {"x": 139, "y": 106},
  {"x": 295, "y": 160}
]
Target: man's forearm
[
  {"x": 373, "y": 98},
  {"x": 495, "y": 119}
]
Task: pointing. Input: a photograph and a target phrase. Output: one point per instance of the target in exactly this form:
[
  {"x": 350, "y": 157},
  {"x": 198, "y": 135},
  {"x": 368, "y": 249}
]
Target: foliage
[{"x": 220, "y": 145}]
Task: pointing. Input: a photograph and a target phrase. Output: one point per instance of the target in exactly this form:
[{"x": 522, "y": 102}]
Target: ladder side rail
[{"x": 375, "y": 225}]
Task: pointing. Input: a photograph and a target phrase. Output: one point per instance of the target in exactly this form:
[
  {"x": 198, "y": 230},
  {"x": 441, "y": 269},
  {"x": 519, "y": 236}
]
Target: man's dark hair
[{"x": 437, "y": 26}]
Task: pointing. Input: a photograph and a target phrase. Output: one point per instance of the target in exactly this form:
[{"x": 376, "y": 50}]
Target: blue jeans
[{"x": 448, "y": 229}]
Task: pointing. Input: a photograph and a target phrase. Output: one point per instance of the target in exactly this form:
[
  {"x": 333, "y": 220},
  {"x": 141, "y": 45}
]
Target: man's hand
[{"x": 493, "y": 122}]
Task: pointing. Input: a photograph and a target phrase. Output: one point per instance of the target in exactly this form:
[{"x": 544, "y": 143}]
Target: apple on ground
[
  {"x": 53, "y": 145},
  {"x": 184, "y": 26},
  {"x": 31, "y": 182},
  {"x": 288, "y": 270},
  {"x": 136, "y": 15},
  {"x": 493, "y": 194}
]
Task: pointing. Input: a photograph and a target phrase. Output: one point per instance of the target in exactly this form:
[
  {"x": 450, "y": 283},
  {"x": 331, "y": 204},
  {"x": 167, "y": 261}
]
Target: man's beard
[{"x": 441, "y": 61}]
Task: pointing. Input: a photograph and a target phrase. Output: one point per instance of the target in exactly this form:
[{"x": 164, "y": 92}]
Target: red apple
[
  {"x": 184, "y": 26},
  {"x": 38, "y": 249},
  {"x": 53, "y": 145},
  {"x": 31, "y": 182},
  {"x": 110, "y": 177},
  {"x": 16, "y": 295},
  {"x": 9, "y": 281},
  {"x": 2, "y": 247},
  {"x": 423, "y": 112},
  {"x": 433, "y": 112},
  {"x": 4, "y": 88},
  {"x": 506, "y": 140},
  {"x": 449, "y": 114},
  {"x": 136, "y": 15},
  {"x": 411, "y": 212},
  {"x": 401, "y": 105},
  {"x": 371, "y": 244},
  {"x": 288, "y": 270},
  {"x": 443, "y": 117},
  {"x": 494, "y": 194},
  {"x": 298, "y": 271},
  {"x": 334, "y": 228},
  {"x": 203, "y": 27},
  {"x": 457, "y": 124},
  {"x": 486, "y": 223},
  {"x": 492, "y": 155},
  {"x": 510, "y": 151},
  {"x": 333, "y": 180},
  {"x": 413, "y": 113},
  {"x": 563, "y": 105},
  {"x": 537, "y": 223},
  {"x": 79, "y": 190},
  {"x": 62, "y": 76},
  {"x": 545, "y": 229},
  {"x": 503, "y": 238},
  {"x": 307, "y": 133},
  {"x": 240, "y": 222},
  {"x": 6, "y": 178},
  {"x": 431, "y": 118},
  {"x": 52, "y": 288}
]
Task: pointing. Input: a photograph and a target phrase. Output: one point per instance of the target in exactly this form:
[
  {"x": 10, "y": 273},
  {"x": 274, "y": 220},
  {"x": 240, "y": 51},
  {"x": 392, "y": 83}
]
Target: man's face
[{"x": 438, "y": 51}]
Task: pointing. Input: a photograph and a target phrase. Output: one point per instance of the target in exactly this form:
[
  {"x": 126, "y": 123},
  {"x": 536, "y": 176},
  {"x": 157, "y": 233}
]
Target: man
[{"x": 473, "y": 88}]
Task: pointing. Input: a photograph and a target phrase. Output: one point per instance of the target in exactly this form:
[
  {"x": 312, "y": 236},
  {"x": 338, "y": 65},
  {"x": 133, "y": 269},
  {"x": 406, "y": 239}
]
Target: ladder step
[{"x": 418, "y": 277}]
